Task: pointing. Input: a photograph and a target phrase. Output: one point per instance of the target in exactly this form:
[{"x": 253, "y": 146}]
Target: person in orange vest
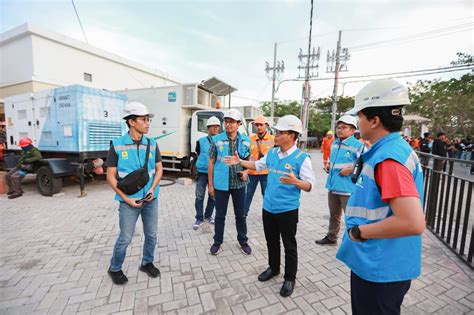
[
  {"x": 326, "y": 148},
  {"x": 260, "y": 144}
]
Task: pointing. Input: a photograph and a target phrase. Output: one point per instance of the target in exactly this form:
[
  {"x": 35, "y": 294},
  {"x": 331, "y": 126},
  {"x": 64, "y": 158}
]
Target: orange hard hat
[
  {"x": 261, "y": 120},
  {"x": 24, "y": 142}
]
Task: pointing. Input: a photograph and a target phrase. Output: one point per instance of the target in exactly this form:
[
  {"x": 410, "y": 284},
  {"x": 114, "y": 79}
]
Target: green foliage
[{"x": 449, "y": 104}]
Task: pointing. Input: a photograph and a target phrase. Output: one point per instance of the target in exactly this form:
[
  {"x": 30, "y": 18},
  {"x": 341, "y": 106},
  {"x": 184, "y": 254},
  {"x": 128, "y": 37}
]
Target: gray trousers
[
  {"x": 337, "y": 204},
  {"x": 14, "y": 178}
]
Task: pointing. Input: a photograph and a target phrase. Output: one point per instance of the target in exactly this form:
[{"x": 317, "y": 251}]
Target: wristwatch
[{"x": 356, "y": 233}]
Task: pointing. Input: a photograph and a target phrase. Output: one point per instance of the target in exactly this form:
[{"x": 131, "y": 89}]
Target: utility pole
[
  {"x": 275, "y": 72},
  {"x": 340, "y": 61},
  {"x": 307, "y": 62}
]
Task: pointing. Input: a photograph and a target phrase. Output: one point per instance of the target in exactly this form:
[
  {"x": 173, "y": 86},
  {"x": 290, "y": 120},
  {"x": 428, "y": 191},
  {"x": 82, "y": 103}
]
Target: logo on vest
[
  {"x": 124, "y": 155},
  {"x": 287, "y": 166},
  {"x": 348, "y": 154}
]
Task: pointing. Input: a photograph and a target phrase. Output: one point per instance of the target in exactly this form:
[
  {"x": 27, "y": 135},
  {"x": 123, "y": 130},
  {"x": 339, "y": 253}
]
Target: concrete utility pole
[
  {"x": 340, "y": 61},
  {"x": 312, "y": 59},
  {"x": 275, "y": 72}
]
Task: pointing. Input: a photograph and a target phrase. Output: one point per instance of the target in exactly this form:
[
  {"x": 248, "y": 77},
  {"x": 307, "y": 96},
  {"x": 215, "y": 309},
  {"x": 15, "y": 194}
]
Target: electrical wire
[
  {"x": 420, "y": 36},
  {"x": 80, "y": 23}
]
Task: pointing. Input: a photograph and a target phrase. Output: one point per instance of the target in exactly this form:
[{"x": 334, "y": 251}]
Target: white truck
[{"x": 181, "y": 113}]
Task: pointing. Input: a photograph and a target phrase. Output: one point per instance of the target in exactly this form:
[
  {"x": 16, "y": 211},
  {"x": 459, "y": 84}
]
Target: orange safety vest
[
  {"x": 326, "y": 148},
  {"x": 264, "y": 145}
]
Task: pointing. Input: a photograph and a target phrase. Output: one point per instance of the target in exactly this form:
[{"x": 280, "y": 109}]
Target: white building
[{"x": 34, "y": 59}]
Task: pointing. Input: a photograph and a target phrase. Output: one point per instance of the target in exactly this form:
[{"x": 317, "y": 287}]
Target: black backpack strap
[{"x": 147, "y": 154}]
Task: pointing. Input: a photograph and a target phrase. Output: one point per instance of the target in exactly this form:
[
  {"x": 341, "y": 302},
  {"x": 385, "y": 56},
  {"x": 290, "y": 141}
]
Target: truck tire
[{"x": 47, "y": 184}]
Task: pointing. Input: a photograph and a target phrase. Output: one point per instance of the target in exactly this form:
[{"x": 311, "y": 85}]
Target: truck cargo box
[{"x": 72, "y": 119}]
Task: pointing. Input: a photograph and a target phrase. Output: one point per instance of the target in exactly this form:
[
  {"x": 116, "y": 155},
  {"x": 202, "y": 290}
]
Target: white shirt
[{"x": 306, "y": 171}]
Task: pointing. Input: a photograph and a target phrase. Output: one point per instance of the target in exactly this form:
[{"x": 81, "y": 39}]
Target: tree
[{"x": 449, "y": 104}]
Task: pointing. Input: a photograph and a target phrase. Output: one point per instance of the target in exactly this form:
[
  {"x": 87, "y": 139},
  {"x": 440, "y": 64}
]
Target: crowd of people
[
  {"x": 379, "y": 190},
  {"x": 443, "y": 146}
]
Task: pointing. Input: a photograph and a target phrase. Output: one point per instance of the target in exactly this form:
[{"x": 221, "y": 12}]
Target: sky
[{"x": 194, "y": 40}]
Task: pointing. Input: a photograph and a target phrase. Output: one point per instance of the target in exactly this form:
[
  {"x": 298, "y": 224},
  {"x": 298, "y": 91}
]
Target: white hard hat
[
  {"x": 289, "y": 122},
  {"x": 348, "y": 119},
  {"x": 137, "y": 109},
  {"x": 212, "y": 121},
  {"x": 380, "y": 93},
  {"x": 234, "y": 114}
]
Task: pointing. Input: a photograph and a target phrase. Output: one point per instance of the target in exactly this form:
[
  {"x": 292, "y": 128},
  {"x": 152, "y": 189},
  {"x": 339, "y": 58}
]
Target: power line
[
  {"x": 80, "y": 24},
  {"x": 429, "y": 34},
  {"x": 394, "y": 74}
]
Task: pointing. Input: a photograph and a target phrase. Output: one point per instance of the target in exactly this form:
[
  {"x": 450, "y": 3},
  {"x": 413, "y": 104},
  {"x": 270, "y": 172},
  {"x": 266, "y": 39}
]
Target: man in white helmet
[
  {"x": 202, "y": 149},
  {"x": 289, "y": 172},
  {"x": 384, "y": 215},
  {"x": 134, "y": 170},
  {"x": 344, "y": 152},
  {"x": 225, "y": 181}
]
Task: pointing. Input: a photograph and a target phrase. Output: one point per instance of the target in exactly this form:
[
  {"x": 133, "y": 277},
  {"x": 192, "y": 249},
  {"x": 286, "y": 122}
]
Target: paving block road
[{"x": 54, "y": 255}]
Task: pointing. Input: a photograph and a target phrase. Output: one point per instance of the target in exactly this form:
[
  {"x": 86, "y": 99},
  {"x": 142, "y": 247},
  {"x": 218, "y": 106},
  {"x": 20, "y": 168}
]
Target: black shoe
[
  {"x": 287, "y": 288},
  {"x": 14, "y": 195},
  {"x": 150, "y": 269},
  {"x": 9, "y": 193},
  {"x": 326, "y": 241},
  {"x": 267, "y": 275},
  {"x": 117, "y": 277}
]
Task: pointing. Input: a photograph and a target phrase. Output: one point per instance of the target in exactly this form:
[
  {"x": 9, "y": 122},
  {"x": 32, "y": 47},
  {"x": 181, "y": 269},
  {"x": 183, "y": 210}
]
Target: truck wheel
[{"x": 47, "y": 184}]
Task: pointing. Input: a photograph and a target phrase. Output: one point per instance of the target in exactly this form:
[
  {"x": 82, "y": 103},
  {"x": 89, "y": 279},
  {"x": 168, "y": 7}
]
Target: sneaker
[
  {"x": 117, "y": 277},
  {"x": 215, "y": 249},
  {"x": 209, "y": 220},
  {"x": 15, "y": 195},
  {"x": 326, "y": 241},
  {"x": 245, "y": 248},
  {"x": 197, "y": 224},
  {"x": 150, "y": 269}
]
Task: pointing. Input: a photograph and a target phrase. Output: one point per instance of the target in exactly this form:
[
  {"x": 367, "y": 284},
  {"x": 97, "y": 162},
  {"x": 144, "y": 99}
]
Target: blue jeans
[
  {"x": 252, "y": 186},
  {"x": 238, "y": 200},
  {"x": 201, "y": 185},
  {"x": 128, "y": 217}
]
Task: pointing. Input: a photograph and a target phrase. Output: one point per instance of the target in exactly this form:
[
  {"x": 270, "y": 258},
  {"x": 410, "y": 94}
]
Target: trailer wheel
[{"x": 47, "y": 184}]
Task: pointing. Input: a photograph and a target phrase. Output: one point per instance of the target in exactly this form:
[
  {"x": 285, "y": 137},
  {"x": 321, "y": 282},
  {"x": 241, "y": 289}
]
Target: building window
[{"x": 87, "y": 77}]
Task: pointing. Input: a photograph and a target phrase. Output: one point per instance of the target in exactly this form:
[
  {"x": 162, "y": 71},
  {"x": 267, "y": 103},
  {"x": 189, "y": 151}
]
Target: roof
[
  {"x": 416, "y": 118},
  {"x": 29, "y": 29},
  {"x": 218, "y": 87}
]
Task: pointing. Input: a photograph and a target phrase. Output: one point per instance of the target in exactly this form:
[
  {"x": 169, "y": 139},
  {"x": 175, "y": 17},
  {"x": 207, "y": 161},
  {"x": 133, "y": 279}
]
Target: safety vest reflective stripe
[
  {"x": 369, "y": 214},
  {"x": 412, "y": 161},
  {"x": 269, "y": 143},
  {"x": 343, "y": 165},
  {"x": 368, "y": 171},
  {"x": 125, "y": 147}
]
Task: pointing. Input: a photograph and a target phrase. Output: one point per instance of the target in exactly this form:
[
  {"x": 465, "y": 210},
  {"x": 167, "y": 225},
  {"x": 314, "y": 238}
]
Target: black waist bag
[{"x": 136, "y": 180}]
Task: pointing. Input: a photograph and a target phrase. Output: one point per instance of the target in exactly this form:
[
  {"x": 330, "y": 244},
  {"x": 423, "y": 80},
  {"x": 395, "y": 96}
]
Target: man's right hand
[{"x": 212, "y": 193}]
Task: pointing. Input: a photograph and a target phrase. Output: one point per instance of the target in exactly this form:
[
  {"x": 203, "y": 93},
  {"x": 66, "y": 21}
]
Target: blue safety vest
[
  {"x": 131, "y": 159},
  {"x": 221, "y": 170},
  {"x": 389, "y": 259},
  {"x": 203, "y": 158},
  {"x": 343, "y": 155},
  {"x": 282, "y": 197}
]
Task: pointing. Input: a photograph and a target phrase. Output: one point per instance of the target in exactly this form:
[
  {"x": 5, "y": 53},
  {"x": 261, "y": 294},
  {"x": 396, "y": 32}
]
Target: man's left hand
[
  {"x": 345, "y": 171},
  {"x": 150, "y": 195},
  {"x": 289, "y": 178}
]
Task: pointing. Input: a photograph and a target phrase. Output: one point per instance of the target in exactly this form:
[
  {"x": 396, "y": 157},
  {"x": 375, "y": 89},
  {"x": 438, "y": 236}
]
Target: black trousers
[
  {"x": 377, "y": 298},
  {"x": 284, "y": 225}
]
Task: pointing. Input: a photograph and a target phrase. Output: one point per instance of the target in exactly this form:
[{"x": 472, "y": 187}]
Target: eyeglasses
[
  {"x": 342, "y": 127},
  {"x": 279, "y": 133},
  {"x": 144, "y": 119},
  {"x": 230, "y": 122}
]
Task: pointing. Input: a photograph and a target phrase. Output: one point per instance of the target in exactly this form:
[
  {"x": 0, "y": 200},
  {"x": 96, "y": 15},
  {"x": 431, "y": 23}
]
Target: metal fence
[{"x": 448, "y": 203}]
